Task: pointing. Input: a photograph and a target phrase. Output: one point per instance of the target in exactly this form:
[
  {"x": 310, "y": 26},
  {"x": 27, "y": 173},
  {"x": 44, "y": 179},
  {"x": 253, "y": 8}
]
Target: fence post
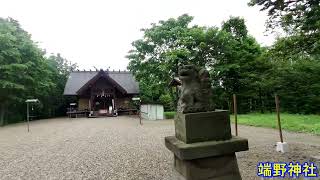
[
  {"x": 235, "y": 113},
  {"x": 28, "y": 116},
  {"x": 140, "y": 118},
  {"x": 278, "y": 117}
]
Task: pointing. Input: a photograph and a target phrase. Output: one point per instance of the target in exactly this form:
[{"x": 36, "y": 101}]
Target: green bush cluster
[{"x": 169, "y": 115}]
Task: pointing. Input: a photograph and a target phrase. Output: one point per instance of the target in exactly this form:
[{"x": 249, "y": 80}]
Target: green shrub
[
  {"x": 169, "y": 115},
  {"x": 167, "y": 102}
]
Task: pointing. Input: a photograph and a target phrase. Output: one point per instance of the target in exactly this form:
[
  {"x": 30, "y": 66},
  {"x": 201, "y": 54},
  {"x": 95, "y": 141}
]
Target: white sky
[{"x": 99, "y": 32}]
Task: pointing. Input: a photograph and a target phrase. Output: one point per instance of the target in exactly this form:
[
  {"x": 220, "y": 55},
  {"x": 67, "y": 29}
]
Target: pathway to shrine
[{"x": 120, "y": 149}]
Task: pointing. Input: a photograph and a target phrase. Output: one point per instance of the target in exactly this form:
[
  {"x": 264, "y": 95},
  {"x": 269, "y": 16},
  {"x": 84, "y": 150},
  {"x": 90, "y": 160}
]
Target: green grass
[
  {"x": 169, "y": 115},
  {"x": 289, "y": 122}
]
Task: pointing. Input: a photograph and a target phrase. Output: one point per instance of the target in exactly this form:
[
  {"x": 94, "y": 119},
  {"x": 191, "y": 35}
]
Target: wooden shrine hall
[{"x": 102, "y": 92}]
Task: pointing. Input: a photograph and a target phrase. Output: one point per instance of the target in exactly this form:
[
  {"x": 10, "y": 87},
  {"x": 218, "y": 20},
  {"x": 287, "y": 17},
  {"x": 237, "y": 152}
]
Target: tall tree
[
  {"x": 292, "y": 15},
  {"x": 237, "y": 71},
  {"x": 60, "y": 68},
  {"x": 295, "y": 57},
  {"x": 300, "y": 19},
  {"x": 26, "y": 73},
  {"x": 236, "y": 26},
  {"x": 22, "y": 66},
  {"x": 226, "y": 53},
  {"x": 155, "y": 58}
]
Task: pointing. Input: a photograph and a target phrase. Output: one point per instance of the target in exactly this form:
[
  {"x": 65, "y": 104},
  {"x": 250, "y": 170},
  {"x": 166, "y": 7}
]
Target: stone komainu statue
[{"x": 195, "y": 91}]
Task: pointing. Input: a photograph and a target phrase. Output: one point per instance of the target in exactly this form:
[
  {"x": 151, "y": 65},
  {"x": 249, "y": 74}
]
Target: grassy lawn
[{"x": 289, "y": 122}]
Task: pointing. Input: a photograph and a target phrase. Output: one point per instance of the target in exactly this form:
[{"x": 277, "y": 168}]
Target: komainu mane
[{"x": 195, "y": 92}]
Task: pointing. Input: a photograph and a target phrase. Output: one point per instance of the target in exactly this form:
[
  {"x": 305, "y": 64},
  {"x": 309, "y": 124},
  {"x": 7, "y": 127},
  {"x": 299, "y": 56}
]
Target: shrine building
[{"x": 102, "y": 92}]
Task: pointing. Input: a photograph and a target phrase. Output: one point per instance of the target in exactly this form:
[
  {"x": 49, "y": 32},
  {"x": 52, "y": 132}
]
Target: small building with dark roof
[{"x": 102, "y": 91}]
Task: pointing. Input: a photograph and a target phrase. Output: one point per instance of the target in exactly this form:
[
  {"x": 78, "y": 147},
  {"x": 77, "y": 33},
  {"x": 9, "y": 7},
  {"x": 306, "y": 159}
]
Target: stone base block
[
  {"x": 282, "y": 147},
  {"x": 205, "y": 149},
  {"x": 213, "y": 168},
  {"x": 203, "y": 126}
]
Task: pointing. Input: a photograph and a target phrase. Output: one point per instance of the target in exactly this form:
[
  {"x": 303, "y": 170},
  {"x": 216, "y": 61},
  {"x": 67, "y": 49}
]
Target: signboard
[
  {"x": 136, "y": 99},
  {"x": 32, "y": 101}
]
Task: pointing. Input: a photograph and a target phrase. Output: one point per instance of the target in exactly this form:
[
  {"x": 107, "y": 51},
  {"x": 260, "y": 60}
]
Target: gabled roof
[{"x": 78, "y": 79}]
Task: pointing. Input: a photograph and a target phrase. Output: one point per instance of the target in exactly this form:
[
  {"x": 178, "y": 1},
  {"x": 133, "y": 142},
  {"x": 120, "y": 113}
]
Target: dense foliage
[
  {"x": 291, "y": 15},
  {"x": 26, "y": 73},
  {"x": 237, "y": 64},
  {"x": 296, "y": 56}
]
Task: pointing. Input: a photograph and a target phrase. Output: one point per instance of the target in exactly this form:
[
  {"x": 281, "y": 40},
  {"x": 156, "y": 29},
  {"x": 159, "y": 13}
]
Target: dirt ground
[
  {"x": 262, "y": 148},
  {"x": 119, "y": 148}
]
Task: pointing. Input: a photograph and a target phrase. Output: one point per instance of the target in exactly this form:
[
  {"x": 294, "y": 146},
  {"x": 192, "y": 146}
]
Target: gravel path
[{"x": 120, "y": 149}]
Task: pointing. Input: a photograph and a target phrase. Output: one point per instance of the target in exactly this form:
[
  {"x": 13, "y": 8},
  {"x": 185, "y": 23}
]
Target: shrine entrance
[{"x": 104, "y": 104}]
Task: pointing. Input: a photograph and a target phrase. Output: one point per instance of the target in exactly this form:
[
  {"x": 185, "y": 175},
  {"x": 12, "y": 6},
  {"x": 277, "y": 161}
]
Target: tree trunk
[
  {"x": 229, "y": 104},
  {"x": 2, "y": 112},
  {"x": 261, "y": 101}
]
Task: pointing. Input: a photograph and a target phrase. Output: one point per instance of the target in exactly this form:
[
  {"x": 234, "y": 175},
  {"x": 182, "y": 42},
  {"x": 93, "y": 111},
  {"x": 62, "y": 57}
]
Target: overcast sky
[{"x": 99, "y": 32}]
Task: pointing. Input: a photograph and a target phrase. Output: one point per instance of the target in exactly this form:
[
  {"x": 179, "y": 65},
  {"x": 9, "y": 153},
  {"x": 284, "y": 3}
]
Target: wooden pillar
[
  {"x": 90, "y": 103},
  {"x": 235, "y": 111},
  {"x": 28, "y": 116},
  {"x": 91, "y": 100},
  {"x": 114, "y": 101},
  {"x": 278, "y": 117},
  {"x": 114, "y": 97}
]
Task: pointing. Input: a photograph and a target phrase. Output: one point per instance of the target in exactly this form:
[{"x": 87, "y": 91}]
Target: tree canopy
[
  {"x": 25, "y": 72},
  {"x": 292, "y": 15},
  {"x": 296, "y": 55},
  {"x": 300, "y": 19},
  {"x": 236, "y": 61},
  {"x": 226, "y": 52}
]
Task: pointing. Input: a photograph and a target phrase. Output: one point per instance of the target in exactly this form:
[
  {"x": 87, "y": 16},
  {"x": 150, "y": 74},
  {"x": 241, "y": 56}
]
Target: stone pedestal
[{"x": 204, "y": 148}]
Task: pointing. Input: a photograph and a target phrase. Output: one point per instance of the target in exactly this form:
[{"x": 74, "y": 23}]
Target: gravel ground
[{"x": 120, "y": 149}]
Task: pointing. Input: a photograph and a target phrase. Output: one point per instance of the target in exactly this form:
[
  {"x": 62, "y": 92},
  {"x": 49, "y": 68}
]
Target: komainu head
[
  {"x": 195, "y": 90},
  {"x": 188, "y": 72}
]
